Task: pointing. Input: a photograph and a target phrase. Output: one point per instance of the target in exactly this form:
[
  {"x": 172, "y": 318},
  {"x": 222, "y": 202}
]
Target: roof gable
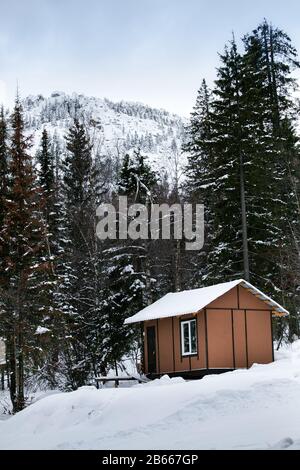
[{"x": 192, "y": 301}]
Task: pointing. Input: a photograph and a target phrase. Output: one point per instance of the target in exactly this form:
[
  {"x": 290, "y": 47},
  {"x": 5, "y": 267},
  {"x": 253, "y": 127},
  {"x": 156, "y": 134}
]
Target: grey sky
[{"x": 153, "y": 51}]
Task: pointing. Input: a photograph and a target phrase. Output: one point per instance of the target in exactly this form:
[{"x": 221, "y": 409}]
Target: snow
[
  {"x": 5, "y": 405},
  {"x": 245, "y": 409},
  {"x": 41, "y": 330},
  {"x": 114, "y": 128},
  {"x": 192, "y": 301},
  {"x": 32, "y": 396},
  {"x": 2, "y": 352}
]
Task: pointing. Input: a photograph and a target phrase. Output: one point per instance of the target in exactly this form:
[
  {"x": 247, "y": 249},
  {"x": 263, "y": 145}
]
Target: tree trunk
[
  {"x": 142, "y": 366},
  {"x": 20, "y": 397},
  {"x": 116, "y": 369},
  {"x": 274, "y": 84},
  {"x": 244, "y": 221},
  {"x": 242, "y": 182},
  {"x": 11, "y": 366},
  {"x": 177, "y": 278},
  {"x": 2, "y": 378}
]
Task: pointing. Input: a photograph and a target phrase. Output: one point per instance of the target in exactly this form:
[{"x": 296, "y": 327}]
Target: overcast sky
[{"x": 153, "y": 51}]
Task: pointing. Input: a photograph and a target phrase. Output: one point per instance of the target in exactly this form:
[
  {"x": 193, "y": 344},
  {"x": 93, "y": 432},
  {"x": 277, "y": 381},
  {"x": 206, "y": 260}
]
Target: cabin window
[{"x": 189, "y": 337}]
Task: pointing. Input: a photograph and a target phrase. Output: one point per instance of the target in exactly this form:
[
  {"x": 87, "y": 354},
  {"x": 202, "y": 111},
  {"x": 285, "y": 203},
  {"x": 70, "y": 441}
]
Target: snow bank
[
  {"x": 164, "y": 380},
  {"x": 255, "y": 409}
]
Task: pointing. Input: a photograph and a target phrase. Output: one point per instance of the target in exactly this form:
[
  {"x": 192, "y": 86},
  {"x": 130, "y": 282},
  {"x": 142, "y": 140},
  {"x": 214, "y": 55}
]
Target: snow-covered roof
[{"x": 192, "y": 301}]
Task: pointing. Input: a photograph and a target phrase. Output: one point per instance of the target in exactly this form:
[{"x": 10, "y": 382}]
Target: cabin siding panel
[
  {"x": 181, "y": 363},
  {"x": 220, "y": 339},
  {"x": 259, "y": 333},
  {"x": 250, "y": 301},
  {"x": 165, "y": 345},
  {"x": 199, "y": 361},
  {"x": 228, "y": 300},
  {"x": 239, "y": 339}
]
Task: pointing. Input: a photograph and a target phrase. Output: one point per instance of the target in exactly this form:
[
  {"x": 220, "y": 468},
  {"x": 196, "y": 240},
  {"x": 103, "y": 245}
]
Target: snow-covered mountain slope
[
  {"x": 114, "y": 128},
  {"x": 246, "y": 409}
]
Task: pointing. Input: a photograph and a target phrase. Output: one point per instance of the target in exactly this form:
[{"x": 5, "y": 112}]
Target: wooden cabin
[{"x": 210, "y": 330}]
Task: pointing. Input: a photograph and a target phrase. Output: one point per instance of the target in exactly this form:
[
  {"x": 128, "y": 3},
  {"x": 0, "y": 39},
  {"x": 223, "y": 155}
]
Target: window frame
[{"x": 188, "y": 322}]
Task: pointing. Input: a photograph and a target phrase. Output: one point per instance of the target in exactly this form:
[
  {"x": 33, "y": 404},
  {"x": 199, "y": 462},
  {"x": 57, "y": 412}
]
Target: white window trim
[{"x": 189, "y": 353}]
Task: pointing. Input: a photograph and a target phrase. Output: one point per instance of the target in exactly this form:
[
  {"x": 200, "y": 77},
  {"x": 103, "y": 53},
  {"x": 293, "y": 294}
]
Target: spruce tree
[
  {"x": 270, "y": 51},
  {"x": 4, "y": 181},
  {"x": 220, "y": 151},
  {"x": 45, "y": 159},
  {"x": 24, "y": 233},
  {"x": 3, "y": 163},
  {"x": 3, "y": 196},
  {"x": 199, "y": 187},
  {"x": 81, "y": 280},
  {"x": 246, "y": 164},
  {"x": 54, "y": 217},
  {"x": 126, "y": 264}
]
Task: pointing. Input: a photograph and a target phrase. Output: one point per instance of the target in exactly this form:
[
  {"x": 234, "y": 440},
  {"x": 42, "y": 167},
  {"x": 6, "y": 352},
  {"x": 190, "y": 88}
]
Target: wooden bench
[{"x": 119, "y": 378}]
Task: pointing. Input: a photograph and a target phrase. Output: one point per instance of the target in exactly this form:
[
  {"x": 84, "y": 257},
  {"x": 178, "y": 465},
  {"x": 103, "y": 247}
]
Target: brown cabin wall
[
  {"x": 168, "y": 345},
  {"x": 181, "y": 363},
  {"x": 240, "y": 346},
  {"x": 165, "y": 340},
  {"x": 146, "y": 325},
  {"x": 228, "y": 300},
  {"x": 239, "y": 333},
  {"x": 260, "y": 347},
  {"x": 220, "y": 339},
  {"x": 200, "y": 362}
]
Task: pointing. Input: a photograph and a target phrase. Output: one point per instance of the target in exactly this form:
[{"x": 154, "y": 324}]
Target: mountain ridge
[{"x": 115, "y": 128}]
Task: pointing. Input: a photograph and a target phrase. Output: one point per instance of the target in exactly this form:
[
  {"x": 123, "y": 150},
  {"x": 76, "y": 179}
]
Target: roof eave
[{"x": 276, "y": 309}]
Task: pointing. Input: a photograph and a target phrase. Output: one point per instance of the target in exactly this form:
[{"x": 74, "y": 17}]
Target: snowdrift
[{"x": 254, "y": 409}]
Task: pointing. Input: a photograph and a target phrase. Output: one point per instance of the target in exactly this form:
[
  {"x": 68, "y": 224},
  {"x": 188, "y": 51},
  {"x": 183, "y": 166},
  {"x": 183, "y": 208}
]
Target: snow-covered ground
[
  {"x": 5, "y": 405},
  {"x": 255, "y": 409}
]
